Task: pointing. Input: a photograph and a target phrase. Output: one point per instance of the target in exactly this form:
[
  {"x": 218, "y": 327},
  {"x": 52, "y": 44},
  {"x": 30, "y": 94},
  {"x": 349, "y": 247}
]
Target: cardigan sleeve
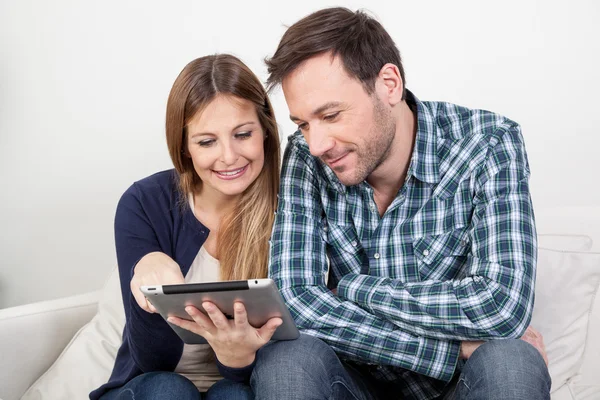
[
  {"x": 141, "y": 227},
  {"x": 241, "y": 375}
]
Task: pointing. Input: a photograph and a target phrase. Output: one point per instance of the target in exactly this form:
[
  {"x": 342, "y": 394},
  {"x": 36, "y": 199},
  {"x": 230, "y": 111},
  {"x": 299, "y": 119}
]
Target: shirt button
[
  {"x": 425, "y": 253},
  {"x": 463, "y": 242},
  {"x": 376, "y": 255},
  {"x": 354, "y": 243},
  {"x": 372, "y": 207},
  {"x": 325, "y": 228}
]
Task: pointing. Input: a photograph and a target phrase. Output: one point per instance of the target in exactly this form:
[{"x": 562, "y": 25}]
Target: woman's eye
[
  {"x": 243, "y": 135},
  {"x": 206, "y": 142},
  {"x": 331, "y": 117}
]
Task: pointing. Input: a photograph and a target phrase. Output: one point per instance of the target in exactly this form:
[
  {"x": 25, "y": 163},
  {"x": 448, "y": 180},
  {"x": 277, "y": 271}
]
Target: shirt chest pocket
[
  {"x": 443, "y": 256},
  {"x": 343, "y": 248}
]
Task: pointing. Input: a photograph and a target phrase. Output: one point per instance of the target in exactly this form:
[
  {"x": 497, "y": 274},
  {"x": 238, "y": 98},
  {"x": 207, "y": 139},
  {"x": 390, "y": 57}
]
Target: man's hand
[
  {"x": 467, "y": 349},
  {"x": 530, "y": 336},
  {"x": 535, "y": 339}
]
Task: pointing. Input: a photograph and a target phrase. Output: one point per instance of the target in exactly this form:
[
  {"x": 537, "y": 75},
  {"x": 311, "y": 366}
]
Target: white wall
[{"x": 83, "y": 88}]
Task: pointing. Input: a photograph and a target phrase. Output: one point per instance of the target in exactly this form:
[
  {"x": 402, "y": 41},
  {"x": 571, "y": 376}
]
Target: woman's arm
[{"x": 143, "y": 245}]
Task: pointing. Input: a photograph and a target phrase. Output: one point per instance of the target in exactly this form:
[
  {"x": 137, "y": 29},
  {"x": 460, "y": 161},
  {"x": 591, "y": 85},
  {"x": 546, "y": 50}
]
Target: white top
[{"x": 197, "y": 361}]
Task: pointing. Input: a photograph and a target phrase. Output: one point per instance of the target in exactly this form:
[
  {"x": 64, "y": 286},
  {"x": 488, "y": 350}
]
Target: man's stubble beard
[{"x": 377, "y": 146}]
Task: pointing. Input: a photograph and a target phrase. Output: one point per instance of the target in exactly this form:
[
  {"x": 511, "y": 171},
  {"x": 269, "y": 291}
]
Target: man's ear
[{"x": 391, "y": 85}]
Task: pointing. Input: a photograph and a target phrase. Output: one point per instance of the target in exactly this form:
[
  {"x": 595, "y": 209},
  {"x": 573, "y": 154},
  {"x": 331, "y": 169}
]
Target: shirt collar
[{"x": 424, "y": 164}]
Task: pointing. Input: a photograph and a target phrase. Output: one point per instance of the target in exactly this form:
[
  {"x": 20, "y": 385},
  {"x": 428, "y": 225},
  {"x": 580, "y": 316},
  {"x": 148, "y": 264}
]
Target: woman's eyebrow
[{"x": 234, "y": 128}]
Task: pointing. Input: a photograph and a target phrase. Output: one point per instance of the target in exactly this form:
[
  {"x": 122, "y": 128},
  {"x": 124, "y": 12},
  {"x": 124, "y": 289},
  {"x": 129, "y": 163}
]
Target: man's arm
[
  {"x": 494, "y": 297},
  {"x": 298, "y": 266}
]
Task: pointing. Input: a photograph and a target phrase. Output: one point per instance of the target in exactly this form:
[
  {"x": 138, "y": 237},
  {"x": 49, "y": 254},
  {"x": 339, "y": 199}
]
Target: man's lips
[{"x": 333, "y": 161}]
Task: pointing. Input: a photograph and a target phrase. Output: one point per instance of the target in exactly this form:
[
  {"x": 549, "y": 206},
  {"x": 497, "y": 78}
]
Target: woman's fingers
[
  {"x": 151, "y": 308},
  {"x": 267, "y": 330},
  {"x": 239, "y": 315},
  {"x": 216, "y": 316},
  {"x": 153, "y": 269},
  {"x": 201, "y": 320},
  {"x": 191, "y": 326},
  {"x": 221, "y": 333},
  {"x": 139, "y": 297}
]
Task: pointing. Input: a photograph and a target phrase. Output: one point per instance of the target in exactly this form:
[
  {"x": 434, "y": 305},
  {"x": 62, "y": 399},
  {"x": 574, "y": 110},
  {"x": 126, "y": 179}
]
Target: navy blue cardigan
[{"x": 150, "y": 218}]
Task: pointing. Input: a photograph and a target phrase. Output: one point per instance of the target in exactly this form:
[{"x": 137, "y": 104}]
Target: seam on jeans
[
  {"x": 132, "y": 393},
  {"x": 464, "y": 382},
  {"x": 344, "y": 385}
]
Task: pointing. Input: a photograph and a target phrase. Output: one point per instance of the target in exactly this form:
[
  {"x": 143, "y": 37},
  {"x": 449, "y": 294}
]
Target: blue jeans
[
  {"x": 307, "y": 369},
  {"x": 172, "y": 386}
]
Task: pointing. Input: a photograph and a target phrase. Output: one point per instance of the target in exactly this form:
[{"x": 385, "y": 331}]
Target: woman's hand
[
  {"x": 235, "y": 342},
  {"x": 154, "y": 269}
]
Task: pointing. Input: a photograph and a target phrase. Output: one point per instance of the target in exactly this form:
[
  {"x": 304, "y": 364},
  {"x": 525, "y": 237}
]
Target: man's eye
[
  {"x": 302, "y": 126},
  {"x": 243, "y": 135},
  {"x": 331, "y": 117}
]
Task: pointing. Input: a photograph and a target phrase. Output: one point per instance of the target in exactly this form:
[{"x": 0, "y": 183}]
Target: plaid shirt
[{"x": 453, "y": 258}]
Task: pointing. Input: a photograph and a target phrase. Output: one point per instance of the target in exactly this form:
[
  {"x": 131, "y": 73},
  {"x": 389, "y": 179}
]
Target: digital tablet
[{"x": 260, "y": 297}]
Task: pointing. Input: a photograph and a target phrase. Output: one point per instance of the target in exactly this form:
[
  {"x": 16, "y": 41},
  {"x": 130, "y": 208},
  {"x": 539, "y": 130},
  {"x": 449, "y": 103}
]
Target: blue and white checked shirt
[{"x": 453, "y": 258}]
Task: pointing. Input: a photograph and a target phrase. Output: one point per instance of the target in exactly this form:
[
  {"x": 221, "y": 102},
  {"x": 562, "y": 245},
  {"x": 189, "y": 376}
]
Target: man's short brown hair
[{"x": 362, "y": 43}]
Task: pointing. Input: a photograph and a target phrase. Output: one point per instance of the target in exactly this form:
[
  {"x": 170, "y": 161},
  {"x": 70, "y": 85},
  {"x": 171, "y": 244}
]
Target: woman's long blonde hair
[{"x": 243, "y": 239}]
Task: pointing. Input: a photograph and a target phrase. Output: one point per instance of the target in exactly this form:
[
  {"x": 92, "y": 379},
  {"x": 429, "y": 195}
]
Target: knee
[
  {"x": 226, "y": 389},
  {"x": 512, "y": 366},
  {"x": 302, "y": 355},
  {"x": 514, "y": 354},
  {"x": 167, "y": 385},
  {"x": 293, "y": 365}
]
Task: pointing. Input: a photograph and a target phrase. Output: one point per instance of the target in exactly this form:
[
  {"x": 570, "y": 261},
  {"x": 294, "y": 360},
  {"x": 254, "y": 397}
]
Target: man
[{"x": 404, "y": 242}]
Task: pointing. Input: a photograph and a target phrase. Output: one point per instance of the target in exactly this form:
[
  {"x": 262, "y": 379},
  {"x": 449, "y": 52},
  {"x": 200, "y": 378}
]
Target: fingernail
[
  {"x": 189, "y": 310},
  {"x": 208, "y": 306}
]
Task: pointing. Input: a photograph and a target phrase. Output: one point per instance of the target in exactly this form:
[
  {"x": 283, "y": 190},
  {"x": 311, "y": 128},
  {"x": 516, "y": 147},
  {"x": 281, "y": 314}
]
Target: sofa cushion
[
  {"x": 567, "y": 283},
  {"x": 88, "y": 360}
]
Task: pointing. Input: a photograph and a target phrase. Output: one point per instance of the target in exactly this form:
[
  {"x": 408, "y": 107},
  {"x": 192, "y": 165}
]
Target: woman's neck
[{"x": 212, "y": 206}]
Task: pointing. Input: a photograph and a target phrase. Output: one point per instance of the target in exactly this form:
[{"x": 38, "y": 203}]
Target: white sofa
[{"x": 64, "y": 348}]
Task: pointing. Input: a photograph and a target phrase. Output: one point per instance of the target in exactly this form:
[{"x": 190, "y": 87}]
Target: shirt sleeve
[
  {"x": 494, "y": 297},
  {"x": 152, "y": 343},
  {"x": 298, "y": 266}
]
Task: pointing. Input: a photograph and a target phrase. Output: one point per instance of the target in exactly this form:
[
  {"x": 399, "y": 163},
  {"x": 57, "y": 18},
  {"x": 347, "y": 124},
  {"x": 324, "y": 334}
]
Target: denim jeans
[
  {"x": 307, "y": 369},
  {"x": 172, "y": 386}
]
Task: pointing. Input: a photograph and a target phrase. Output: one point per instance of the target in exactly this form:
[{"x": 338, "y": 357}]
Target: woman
[{"x": 208, "y": 219}]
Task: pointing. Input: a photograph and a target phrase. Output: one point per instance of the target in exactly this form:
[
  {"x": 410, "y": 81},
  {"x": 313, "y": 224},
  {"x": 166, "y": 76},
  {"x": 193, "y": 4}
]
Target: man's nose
[{"x": 319, "y": 142}]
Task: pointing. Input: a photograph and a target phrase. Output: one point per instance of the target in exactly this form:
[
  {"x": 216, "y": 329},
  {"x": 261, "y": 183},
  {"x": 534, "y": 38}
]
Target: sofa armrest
[{"x": 33, "y": 335}]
